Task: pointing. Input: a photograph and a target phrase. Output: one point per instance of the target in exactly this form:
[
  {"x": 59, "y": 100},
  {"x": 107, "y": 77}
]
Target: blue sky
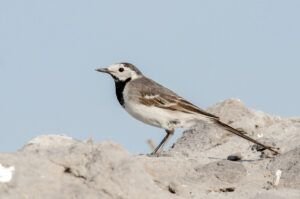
[{"x": 206, "y": 51}]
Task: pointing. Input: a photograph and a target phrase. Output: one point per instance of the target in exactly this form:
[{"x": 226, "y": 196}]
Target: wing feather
[
  {"x": 150, "y": 93},
  {"x": 173, "y": 103}
]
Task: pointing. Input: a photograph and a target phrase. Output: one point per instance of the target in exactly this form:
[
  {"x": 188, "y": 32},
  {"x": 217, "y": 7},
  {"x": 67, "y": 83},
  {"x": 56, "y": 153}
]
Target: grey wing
[{"x": 154, "y": 94}]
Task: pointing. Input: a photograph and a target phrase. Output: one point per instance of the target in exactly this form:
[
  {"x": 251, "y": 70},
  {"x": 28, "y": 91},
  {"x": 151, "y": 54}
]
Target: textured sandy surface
[{"x": 196, "y": 166}]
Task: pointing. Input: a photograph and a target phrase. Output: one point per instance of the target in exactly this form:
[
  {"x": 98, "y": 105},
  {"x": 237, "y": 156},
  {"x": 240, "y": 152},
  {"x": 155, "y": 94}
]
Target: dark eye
[{"x": 121, "y": 69}]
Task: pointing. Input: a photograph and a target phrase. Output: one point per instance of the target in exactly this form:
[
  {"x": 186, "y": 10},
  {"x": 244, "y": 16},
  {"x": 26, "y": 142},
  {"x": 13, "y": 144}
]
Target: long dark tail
[{"x": 241, "y": 134}]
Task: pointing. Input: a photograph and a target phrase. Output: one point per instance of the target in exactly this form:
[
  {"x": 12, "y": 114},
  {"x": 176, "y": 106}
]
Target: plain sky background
[{"x": 206, "y": 51}]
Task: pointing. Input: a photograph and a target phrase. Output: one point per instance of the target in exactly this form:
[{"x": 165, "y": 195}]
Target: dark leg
[{"x": 163, "y": 142}]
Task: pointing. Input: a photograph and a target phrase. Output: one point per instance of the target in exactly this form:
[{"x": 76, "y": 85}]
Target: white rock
[{"x": 6, "y": 173}]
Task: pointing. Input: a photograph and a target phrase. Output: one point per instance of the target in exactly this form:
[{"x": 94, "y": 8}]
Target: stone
[{"x": 197, "y": 166}]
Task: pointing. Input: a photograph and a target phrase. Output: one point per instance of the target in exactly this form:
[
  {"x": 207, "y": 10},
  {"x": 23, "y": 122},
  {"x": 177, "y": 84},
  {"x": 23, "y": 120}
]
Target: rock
[
  {"x": 55, "y": 166},
  {"x": 6, "y": 173},
  {"x": 222, "y": 172},
  {"x": 68, "y": 168},
  {"x": 235, "y": 157},
  {"x": 289, "y": 165},
  {"x": 275, "y": 194},
  {"x": 201, "y": 138}
]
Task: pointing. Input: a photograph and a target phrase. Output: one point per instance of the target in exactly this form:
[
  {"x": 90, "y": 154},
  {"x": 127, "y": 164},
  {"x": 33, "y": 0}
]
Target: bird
[{"x": 156, "y": 105}]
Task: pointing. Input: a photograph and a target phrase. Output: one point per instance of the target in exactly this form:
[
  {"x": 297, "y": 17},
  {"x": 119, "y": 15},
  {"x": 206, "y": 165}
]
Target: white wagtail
[{"x": 158, "y": 106}]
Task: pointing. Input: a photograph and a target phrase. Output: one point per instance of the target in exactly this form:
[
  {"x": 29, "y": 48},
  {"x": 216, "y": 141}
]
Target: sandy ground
[{"x": 196, "y": 166}]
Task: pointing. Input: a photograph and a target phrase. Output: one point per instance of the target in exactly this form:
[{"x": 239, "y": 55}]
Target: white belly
[{"x": 159, "y": 117}]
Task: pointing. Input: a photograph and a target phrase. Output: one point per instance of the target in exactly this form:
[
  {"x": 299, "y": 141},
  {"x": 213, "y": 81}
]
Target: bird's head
[{"x": 122, "y": 71}]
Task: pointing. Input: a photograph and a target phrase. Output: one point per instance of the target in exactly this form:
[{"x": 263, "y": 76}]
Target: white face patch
[{"x": 121, "y": 72}]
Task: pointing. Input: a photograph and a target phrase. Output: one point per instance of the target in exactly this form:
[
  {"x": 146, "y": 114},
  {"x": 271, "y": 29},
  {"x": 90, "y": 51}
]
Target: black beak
[{"x": 102, "y": 70}]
